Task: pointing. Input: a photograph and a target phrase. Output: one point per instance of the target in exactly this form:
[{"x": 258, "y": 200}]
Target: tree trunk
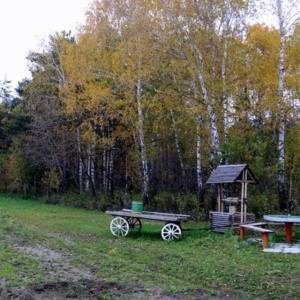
[
  {"x": 224, "y": 91},
  {"x": 199, "y": 167},
  {"x": 90, "y": 169},
  {"x": 142, "y": 145},
  {"x": 215, "y": 142},
  {"x": 105, "y": 170},
  {"x": 281, "y": 135},
  {"x": 80, "y": 161},
  {"x": 179, "y": 153}
]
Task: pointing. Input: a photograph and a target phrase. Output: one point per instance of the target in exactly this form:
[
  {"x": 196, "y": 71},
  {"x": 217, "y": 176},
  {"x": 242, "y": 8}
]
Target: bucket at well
[{"x": 137, "y": 207}]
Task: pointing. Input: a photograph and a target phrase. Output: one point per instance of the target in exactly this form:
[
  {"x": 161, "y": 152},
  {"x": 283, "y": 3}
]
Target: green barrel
[{"x": 137, "y": 207}]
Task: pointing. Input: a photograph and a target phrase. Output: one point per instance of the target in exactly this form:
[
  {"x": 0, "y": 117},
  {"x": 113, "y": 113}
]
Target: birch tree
[
  {"x": 288, "y": 13},
  {"x": 132, "y": 68},
  {"x": 5, "y": 94},
  {"x": 281, "y": 135},
  {"x": 198, "y": 38}
]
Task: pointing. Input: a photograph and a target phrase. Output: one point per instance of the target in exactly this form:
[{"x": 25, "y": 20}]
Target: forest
[{"x": 148, "y": 97}]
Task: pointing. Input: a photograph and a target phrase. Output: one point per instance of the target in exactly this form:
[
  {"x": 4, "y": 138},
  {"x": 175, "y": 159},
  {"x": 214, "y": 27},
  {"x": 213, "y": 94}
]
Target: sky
[{"x": 26, "y": 24}]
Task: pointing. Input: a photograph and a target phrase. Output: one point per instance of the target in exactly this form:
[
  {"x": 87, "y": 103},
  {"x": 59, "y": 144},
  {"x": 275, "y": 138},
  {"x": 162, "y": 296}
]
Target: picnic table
[
  {"x": 288, "y": 220},
  {"x": 125, "y": 220}
]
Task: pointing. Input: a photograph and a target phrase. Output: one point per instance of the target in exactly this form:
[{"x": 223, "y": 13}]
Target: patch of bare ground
[
  {"x": 66, "y": 282},
  {"x": 81, "y": 289},
  {"x": 56, "y": 263},
  {"x": 63, "y": 281},
  {"x": 98, "y": 290}
]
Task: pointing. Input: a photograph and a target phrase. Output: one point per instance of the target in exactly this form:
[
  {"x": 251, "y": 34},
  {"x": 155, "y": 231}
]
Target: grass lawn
[{"x": 56, "y": 252}]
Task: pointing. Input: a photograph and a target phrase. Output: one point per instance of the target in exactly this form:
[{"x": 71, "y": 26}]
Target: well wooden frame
[{"x": 226, "y": 174}]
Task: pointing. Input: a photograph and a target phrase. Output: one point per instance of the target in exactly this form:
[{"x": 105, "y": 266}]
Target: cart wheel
[
  {"x": 171, "y": 231},
  {"x": 119, "y": 226},
  {"x": 135, "y": 224}
]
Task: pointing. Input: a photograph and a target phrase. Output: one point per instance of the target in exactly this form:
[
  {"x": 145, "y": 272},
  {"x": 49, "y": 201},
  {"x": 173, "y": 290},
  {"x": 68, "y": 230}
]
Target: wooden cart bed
[{"x": 126, "y": 220}]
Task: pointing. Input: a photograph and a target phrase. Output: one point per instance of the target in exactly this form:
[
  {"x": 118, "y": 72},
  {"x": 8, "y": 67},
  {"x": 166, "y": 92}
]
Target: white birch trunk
[
  {"x": 215, "y": 142},
  {"x": 110, "y": 163},
  {"x": 199, "y": 163},
  {"x": 110, "y": 170},
  {"x": 88, "y": 170},
  {"x": 107, "y": 163},
  {"x": 142, "y": 142},
  {"x": 107, "y": 170},
  {"x": 92, "y": 167},
  {"x": 224, "y": 91},
  {"x": 281, "y": 135},
  {"x": 80, "y": 162},
  {"x": 104, "y": 172},
  {"x": 93, "y": 157}
]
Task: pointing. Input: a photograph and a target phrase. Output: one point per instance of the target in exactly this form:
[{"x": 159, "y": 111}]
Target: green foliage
[
  {"x": 251, "y": 147},
  {"x": 84, "y": 200},
  {"x": 293, "y": 164},
  {"x": 10, "y": 126},
  {"x": 17, "y": 171},
  {"x": 261, "y": 204},
  {"x": 181, "y": 203},
  {"x": 4, "y": 181},
  {"x": 258, "y": 150}
]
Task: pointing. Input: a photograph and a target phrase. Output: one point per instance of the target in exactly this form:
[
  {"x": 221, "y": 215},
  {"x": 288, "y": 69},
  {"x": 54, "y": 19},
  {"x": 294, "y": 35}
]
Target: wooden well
[{"x": 232, "y": 209}]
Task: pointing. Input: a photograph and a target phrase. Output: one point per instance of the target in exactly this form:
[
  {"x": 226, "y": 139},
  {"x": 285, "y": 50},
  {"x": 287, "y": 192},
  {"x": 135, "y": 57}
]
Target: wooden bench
[{"x": 256, "y": 227}]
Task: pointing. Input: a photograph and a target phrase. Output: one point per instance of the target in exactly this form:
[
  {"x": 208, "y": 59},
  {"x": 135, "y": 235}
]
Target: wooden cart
[{"x": 125, "y": 221}]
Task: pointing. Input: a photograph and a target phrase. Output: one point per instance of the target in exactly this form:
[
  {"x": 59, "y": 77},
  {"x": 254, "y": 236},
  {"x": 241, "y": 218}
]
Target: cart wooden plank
[
  {"x": 159, "y": 213},
  {"x": 150, "y": 215}
]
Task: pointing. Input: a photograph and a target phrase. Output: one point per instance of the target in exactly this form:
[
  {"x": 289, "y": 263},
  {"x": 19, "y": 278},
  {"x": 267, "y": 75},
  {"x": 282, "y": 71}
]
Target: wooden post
[
  {"x": 265, "y": 236},
  {"x": 245, "y": 198},
  {"x": 242, "y": 204},
  {"x": 288, "y": 231},
  {"x": 242, "y": 233},
  {"x": 219, "y": 197}
]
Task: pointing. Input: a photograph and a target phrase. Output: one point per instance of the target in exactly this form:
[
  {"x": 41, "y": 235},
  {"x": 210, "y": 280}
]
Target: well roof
[{"x": 231, "y": 174}]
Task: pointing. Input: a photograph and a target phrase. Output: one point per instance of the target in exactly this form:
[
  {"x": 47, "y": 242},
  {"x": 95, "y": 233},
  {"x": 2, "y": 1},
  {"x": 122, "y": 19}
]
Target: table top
[{"x": 282, "y": 218}]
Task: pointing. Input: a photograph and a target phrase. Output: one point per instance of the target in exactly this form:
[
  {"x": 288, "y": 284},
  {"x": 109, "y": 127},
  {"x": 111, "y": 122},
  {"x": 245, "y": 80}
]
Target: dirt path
[{"x": 63, "y": 281}]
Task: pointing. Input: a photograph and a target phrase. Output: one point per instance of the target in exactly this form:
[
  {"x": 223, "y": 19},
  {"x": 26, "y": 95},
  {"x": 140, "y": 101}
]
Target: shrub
[
  {"x": 84, "y": 200},
  {"x": 180, "y": 203}
]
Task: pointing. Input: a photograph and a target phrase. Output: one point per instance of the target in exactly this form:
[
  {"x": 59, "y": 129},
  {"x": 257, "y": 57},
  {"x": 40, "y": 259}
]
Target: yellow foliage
[{"x": 51, "y": 180}]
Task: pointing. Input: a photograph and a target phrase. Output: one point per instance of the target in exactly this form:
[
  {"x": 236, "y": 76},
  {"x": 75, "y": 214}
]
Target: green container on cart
[
  {"x": 137, "y": 207},
  {"x": 271, "y": 240}
]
